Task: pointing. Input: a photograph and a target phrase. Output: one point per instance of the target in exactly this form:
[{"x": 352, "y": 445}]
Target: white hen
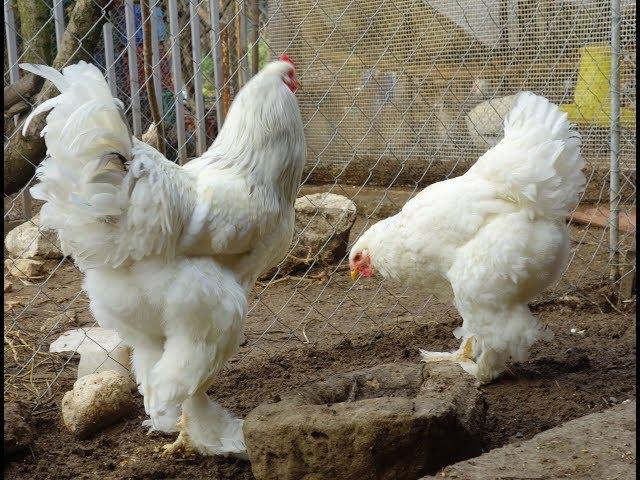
[
  {"x": 490, "y": 239},
  {"x": 169, "y": 252}
]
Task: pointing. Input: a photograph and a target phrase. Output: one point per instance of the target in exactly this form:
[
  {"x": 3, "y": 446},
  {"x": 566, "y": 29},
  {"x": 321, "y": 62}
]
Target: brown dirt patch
[{"x": 348, "y": 327}]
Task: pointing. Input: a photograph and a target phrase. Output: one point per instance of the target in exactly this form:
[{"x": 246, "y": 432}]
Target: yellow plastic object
[{"x": 592, "y": 98}]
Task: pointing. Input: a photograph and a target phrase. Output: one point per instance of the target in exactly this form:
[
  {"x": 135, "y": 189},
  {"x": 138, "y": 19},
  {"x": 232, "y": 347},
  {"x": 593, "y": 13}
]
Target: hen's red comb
[{"x": 286, "y": 58}]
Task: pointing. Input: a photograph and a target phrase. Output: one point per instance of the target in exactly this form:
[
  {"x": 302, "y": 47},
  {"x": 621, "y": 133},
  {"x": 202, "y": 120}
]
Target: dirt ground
[{"x": 301, "y": 330}]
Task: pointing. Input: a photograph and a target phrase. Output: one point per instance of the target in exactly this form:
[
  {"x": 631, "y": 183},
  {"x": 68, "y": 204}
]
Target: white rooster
[
  {"x": 490, "y": 239},
  {"x": 169, "y": 252}
]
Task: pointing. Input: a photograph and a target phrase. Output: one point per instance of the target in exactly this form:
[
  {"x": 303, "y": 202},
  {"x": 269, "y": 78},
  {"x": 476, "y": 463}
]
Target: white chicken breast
[
  {"x": 170, "y": 252},
  {"x": 491, "y": 239}
]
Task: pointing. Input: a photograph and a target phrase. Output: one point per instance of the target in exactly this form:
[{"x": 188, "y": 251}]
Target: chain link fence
[{"x": 395, "y": 95}]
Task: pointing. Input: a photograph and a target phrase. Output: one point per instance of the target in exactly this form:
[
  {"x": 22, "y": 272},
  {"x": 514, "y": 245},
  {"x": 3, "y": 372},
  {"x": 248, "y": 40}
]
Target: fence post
[
  {"x": 109, "y": 62},
  {"x": 214, "y": 8},
  {"x": 614, "y": 133},
  {"x": 12, "y": 44},
  {"x": 199, "y": 120},
  {"x": 58, "y": 18},
  {"x": 132, "y": 54},
  {"x": 178, "y": 86},
  {"x": 155, "y": 57}
]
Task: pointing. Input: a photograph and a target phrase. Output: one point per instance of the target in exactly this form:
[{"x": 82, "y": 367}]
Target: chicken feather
[
  {"x": 489, "y": 240},
  {"x": 170, "y": 252}
]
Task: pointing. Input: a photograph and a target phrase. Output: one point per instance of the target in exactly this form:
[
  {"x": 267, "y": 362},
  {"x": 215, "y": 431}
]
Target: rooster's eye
[{"x": 357, "y": 257}]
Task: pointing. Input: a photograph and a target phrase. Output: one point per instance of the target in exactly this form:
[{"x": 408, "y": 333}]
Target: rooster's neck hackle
[{"x": 263, "y": 135}]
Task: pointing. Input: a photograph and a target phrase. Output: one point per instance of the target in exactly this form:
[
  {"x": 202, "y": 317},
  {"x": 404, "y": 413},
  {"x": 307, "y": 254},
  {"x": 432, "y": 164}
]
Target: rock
[
  {"x": 18, "y": 434},
  {"x": 68, "y": 317},
  {"x": 323, "y": 223},
  {"x": 96, "y": 401},
  {"x": 395, "y": 421},
  {"x": 100, "y": 349},
  {"x": 31, "y": 241},
  {"x": 25, "y": 268},
  {"x": 596, "y": 446}
]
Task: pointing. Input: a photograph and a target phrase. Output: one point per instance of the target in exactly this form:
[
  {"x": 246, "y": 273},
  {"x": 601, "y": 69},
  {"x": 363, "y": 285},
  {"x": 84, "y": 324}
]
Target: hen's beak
[{"x": 354, "y": 274}]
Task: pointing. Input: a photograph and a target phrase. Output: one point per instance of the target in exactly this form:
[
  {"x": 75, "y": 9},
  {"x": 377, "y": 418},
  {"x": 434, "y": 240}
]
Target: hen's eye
[{"x": 357, "y": 257}]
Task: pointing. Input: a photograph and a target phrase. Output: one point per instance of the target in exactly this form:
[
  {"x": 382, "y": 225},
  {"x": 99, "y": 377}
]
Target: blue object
[
  {"x": 137, "y": 18},
  {"x": 160, "y": 27}
]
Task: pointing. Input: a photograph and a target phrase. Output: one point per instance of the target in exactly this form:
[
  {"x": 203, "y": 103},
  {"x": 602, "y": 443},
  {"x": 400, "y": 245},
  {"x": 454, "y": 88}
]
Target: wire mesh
[{"x": 396, "y": 95}]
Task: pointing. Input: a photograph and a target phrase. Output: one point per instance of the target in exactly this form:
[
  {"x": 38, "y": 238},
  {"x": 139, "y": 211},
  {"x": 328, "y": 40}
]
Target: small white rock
[
  {"x": 96, "y": 401},
  {"x": 100, "y": 349},
  {"x": 31, "y": 241}
]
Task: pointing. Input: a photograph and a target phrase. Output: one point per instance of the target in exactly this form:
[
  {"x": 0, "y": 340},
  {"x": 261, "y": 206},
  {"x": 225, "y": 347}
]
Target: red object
[
  {"x": 286, "y": 58},
  {"x": 165, "y": 69},
  {"x": 292, "y": 82}
]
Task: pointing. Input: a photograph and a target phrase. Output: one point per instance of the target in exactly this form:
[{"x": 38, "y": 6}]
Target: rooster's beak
[{"x": 354, "y": 275}]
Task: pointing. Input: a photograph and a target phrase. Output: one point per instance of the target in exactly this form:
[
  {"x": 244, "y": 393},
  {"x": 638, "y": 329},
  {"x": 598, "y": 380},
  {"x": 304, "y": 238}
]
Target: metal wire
[{"x": 395, "y": 97}]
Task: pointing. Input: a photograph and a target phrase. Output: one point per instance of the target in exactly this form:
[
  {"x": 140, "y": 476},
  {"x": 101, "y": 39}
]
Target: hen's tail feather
[{"x": 538, "y": 162}]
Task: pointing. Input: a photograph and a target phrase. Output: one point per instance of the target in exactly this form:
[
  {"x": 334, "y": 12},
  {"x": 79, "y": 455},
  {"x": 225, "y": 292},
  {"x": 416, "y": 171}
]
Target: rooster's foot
[{"x": 180, "y": 446}]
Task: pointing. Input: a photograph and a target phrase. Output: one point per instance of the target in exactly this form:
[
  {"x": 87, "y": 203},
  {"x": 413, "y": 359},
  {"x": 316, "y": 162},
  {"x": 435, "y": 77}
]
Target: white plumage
[
  {"x": 169, "y": 252},
  {"x": 490, "y": 239}
]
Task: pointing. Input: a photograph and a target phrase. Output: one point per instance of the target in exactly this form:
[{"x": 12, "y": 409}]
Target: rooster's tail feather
[{"x": 88, "y": 145}]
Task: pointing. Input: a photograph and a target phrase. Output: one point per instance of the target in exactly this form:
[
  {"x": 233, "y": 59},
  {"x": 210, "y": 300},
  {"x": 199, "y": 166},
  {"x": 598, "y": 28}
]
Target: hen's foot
[
  {"x": 464, "y": 353},
  {"x": 463, "y": 356}
]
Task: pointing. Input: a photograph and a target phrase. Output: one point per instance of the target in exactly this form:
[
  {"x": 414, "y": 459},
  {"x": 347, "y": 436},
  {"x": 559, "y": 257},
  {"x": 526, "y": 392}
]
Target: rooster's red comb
[{"x": 286, "y": 58}]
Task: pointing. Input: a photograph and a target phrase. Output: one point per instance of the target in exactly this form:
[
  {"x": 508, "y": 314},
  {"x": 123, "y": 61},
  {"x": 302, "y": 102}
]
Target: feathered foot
[
  {"x": 212, "y": 430},
  {"x": 182, "y": 445},
  {"x": 464, "y": 356}
]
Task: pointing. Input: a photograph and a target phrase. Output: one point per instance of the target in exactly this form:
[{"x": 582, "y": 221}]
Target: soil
[{"x": 303, "y": 330}]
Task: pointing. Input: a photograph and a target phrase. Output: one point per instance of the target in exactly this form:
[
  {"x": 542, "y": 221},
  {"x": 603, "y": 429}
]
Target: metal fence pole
[
  {"x": 214, "y": 8},
  {"x": 110, "y": 67},
  {"x": 58, "y": 18},
  {"x": 12, "y": 45},
  {"x": 178, "y": 85},
  {"x": 134, "y": 82},
  {"x": 155, "y": 56},
  {"x": 614, "y": 188},
  {"x": 201, "y": 133}
]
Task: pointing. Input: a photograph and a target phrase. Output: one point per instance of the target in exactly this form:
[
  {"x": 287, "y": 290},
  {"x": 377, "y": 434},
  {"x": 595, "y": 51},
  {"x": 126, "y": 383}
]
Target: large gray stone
[
  {"x": 395, "y": 421},
  {"x": 323, "y": 223},
  {"x": 597, "y": 446},
  {"x": 97, "y": 400}
]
